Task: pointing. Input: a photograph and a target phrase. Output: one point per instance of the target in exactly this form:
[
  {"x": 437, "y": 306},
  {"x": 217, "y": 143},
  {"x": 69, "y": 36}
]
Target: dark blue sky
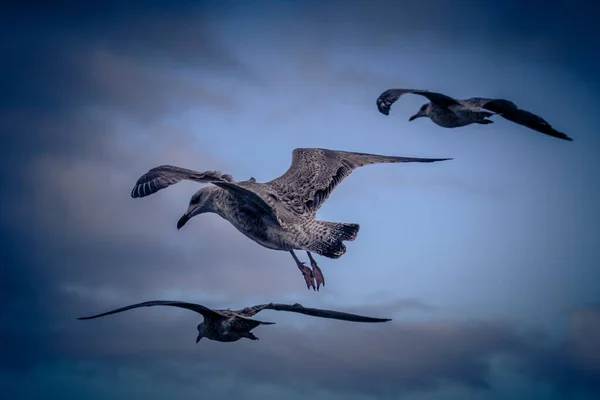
[{"x": 488, "y": 263}]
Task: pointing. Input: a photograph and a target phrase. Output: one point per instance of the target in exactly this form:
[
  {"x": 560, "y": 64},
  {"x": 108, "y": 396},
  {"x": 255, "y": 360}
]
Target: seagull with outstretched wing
[
  {"x": 452, "y": 113},
  {"x": 230, "y": 326},
  {"x": 279, "y": 214}
]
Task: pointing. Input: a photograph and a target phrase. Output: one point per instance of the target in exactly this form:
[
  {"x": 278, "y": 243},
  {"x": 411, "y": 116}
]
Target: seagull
[
  {"x": 231, "y": 326},
  {"x": 279, "y": 214},
  {"x": 452, "y": 113}
]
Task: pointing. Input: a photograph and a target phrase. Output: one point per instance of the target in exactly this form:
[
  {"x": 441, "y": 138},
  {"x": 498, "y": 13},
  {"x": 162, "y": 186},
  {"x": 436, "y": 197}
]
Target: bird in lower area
[
  {"x": 452, "y": 113},
  {"x": 230, "y": 326},
  {"x": 279, "y": 214}
]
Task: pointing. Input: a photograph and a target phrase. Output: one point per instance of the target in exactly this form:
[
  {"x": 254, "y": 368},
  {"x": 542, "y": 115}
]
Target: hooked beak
[
  {"x": 182, "y": 221},
  {"x": 198, "y": 339}
]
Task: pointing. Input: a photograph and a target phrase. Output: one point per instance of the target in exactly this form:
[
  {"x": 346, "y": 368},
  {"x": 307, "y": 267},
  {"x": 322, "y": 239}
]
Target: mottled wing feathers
[
  {"x": 389, "y": 97},
  {"x": 165, "y": 175},
  {"x": 253, "y": 310},
  {"x": 510, "y": 111},
  {"x": 259, "y": 196},
  {"x": 314, "y": 312},
  {"x": 478, "y": 103},
  {"x": 206, "y": 312},
  {"x": 515, "y": 114},
  {"x": 315, "y": 173}
]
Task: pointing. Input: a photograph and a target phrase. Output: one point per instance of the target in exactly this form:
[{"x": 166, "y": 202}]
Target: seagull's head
[
  {"x": 201, "y": 331},
  {"x": 200, "y": 203},
  {"x": 423, "y": 112}
]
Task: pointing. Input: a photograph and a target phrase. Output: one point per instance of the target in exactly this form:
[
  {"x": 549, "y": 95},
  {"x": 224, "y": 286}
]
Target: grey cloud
[
  {"x": 74, "y": 82},
  {"x": 63, "y": 61},
  {"x": 68, "y": 71},
  {"x": 582, "y": 338},
  {"x": 575, "y": 363},
  {"x": 406, "y": 29},
  {"x": 383, "y": 360}
]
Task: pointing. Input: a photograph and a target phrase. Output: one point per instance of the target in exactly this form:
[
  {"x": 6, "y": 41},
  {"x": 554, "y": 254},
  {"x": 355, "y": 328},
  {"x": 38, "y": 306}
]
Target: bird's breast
[
  {"x": 254, "y": 223},
  {"x": 452, "y": 117}
]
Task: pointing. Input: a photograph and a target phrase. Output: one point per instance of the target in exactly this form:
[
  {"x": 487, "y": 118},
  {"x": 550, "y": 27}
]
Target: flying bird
[
  {"x": 230, "y": 326},
  {"x": 279, "y": 214},
  {"x": 452, "y": 113}
]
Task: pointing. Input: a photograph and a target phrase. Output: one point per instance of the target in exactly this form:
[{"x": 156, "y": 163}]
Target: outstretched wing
[
  {"x": 252, "y": 311},
  {"x": 205, "y": 311},
  {"x": 315, "y": 173},
  {"x": 314, "y": 312},
  {"x": 510, "y": 111},
  {"x": 160, "y": 177},
  {"x": 389, "y": 97}
]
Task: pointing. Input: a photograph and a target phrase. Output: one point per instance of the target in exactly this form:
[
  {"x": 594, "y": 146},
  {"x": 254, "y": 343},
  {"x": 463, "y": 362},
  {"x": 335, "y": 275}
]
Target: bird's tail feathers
[{"x": 328, "y": 238}]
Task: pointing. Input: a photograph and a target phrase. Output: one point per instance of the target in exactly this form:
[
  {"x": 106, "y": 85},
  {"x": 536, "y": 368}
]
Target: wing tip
[
  {"x": 381, "y": 106},
  {"x": 437, "y": 159},
  {"x": 380, "y": 319},
  {"x": 554, "y": 133},
  {"x": 425, "y": 160},
  {"x": 383, "y": 110},
  {"x": 139, "y": 191}
]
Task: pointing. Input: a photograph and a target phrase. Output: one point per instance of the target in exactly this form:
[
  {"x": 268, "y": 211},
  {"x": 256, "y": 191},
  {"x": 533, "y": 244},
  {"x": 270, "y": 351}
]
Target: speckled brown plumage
[{"x": 279, "y": 214}]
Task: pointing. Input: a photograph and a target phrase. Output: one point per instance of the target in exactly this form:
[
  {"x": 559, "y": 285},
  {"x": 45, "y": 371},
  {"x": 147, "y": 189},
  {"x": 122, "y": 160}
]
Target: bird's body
[
  {"x": 456, "y": 116},
  {"x": 279, "y": 214},
  {"x": 448, "y": 112},
  {"x": 229, "y": 329},
  {"x": 231, "y": 326},
  {"x": 251, "y": 221},
  {"x": 262, "y": 228}
]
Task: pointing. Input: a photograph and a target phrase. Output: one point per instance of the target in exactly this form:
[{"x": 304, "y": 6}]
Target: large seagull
[{"x": 279, "y": 214}]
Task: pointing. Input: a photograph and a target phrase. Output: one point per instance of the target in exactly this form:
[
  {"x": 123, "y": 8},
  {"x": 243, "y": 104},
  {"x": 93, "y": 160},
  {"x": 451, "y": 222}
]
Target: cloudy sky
[{"x": 488, "y": 263}]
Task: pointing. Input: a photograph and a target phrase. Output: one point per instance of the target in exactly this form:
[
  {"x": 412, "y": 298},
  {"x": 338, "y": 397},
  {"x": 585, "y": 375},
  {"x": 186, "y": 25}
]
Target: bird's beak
[
  {"x": 414, "y": 117},
  {"x": 198, "y": 339},
  {"x": 182, "y": 221}
]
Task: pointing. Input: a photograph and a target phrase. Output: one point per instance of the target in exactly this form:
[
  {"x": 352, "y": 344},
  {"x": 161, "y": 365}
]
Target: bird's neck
[{"x": 220, "y": 200}]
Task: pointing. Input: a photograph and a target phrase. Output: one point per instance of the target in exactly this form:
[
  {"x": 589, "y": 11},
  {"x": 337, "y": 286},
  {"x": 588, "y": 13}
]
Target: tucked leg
[
  {"x": 306, "y": 272},
  {"x": 317, "y": 273},
  {"x": 482, "y": 118}
]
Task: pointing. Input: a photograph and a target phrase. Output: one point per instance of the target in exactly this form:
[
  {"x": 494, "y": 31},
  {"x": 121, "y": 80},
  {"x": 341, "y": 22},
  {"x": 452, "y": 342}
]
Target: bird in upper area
[
  {"x": 279, "y": 214},
  {"x": 230, "y": 326},
  {"x": 452, "y": 113}
]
